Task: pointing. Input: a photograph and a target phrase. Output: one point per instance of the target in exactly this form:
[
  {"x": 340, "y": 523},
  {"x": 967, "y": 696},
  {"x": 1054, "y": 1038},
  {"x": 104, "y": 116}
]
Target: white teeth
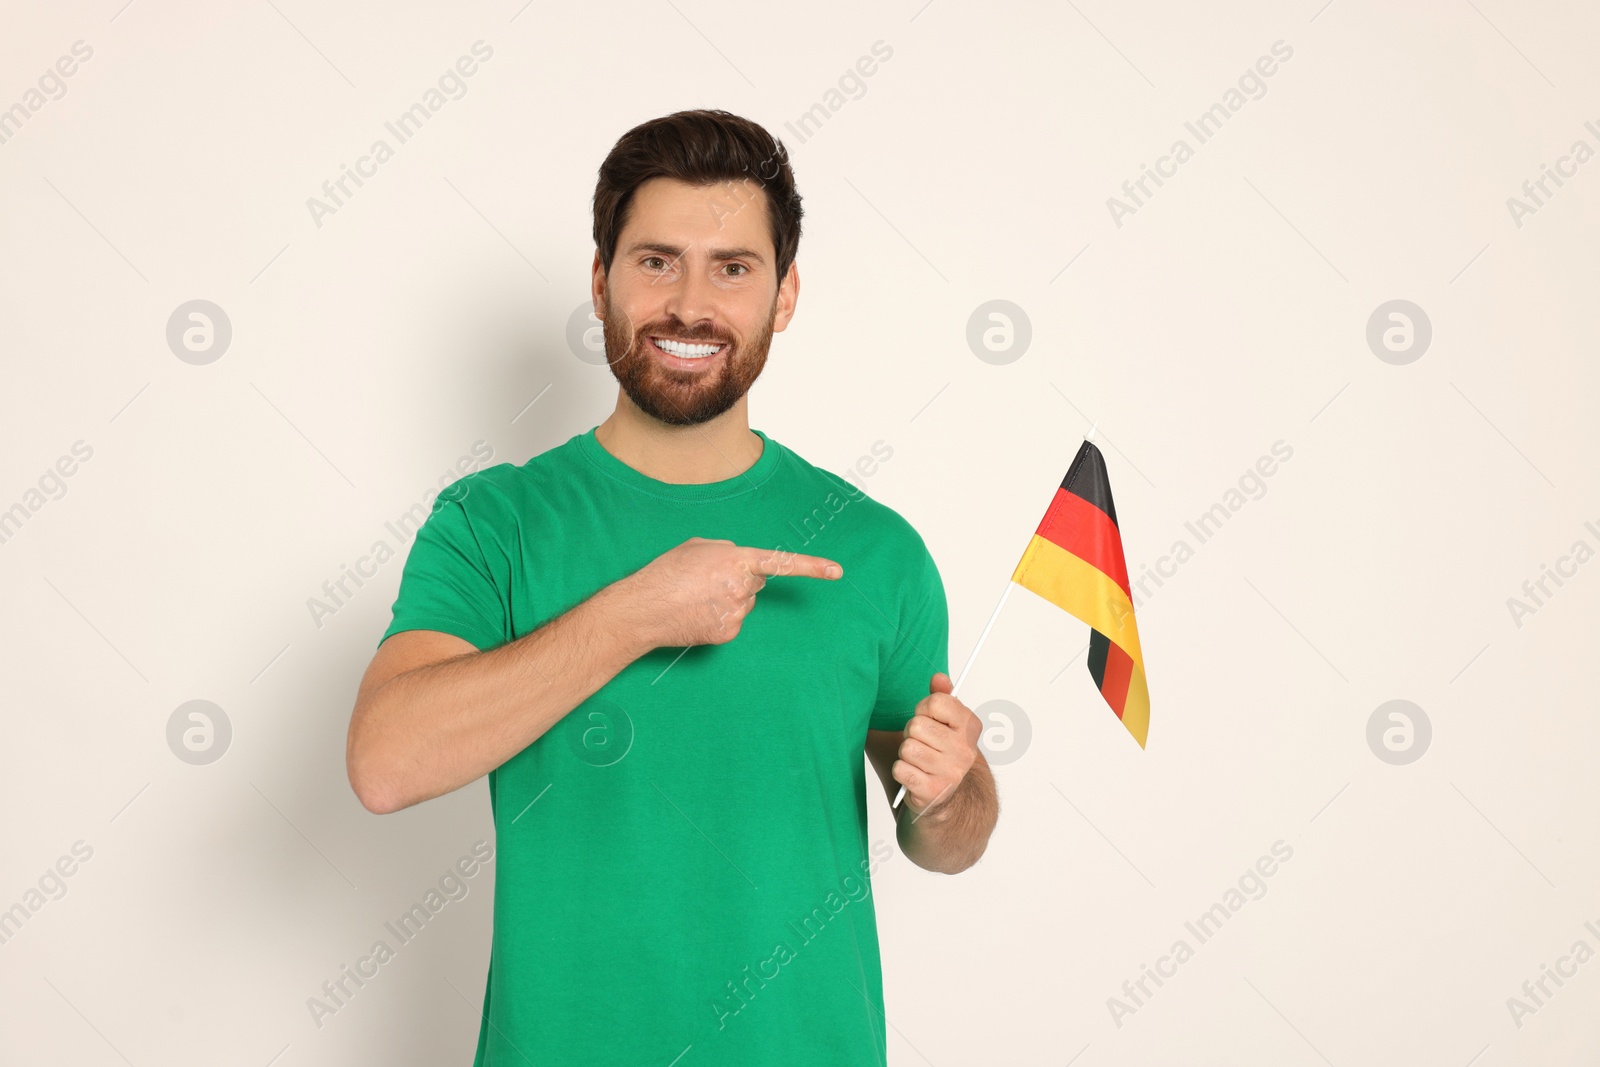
[{"x": 685, "y": 351}]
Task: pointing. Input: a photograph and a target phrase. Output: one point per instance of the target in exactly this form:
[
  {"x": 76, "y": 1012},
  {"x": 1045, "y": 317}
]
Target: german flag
[{"x": 1075, "y": 562}]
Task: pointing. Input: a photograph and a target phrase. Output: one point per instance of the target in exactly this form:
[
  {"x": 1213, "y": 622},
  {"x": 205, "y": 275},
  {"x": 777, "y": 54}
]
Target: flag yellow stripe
[
  {"x": 1092, "y": 596},
  {"x": 1136, "y": 709}
]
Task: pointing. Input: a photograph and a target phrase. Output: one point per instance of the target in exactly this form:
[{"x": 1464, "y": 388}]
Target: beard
[{"x": 683, "y": 397}]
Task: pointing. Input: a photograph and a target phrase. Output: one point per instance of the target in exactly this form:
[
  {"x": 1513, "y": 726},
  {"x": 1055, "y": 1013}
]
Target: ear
[
  {"x": 597, "y": 286},
  {"x": 788, "y": 296}
]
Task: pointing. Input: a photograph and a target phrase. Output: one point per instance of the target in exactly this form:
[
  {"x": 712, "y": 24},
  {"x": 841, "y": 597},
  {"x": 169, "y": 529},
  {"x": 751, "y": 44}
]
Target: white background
[{"x": 1227, "y": 313}]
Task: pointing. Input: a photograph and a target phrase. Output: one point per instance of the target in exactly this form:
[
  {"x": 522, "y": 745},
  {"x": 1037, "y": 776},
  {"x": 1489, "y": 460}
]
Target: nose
[{"x": 692, "y": 297}]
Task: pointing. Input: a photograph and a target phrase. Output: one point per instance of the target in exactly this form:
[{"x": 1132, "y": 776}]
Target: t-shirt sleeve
[
  {"x": 447, "y": 583},
  {"x": 923, "y": 648}
]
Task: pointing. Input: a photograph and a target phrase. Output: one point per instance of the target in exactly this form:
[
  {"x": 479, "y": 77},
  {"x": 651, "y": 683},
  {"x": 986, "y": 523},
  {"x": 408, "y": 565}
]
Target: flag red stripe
[
  {"x": 1114, "y": 685},
  {"x": 1088, "y": 533}
]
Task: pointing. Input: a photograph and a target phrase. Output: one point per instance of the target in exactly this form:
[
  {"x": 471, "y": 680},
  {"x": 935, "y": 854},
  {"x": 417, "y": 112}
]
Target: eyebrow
[{"x": 676, "y": 252}]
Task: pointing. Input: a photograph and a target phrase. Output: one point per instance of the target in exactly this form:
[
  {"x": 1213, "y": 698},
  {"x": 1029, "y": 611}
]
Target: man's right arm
[{"x": 433, "y": 713}]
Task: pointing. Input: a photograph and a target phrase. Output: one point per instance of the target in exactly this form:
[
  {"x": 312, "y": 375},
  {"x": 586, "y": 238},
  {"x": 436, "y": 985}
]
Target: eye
[
  {"x": 742, "y": 267},
  {"x": 653, "y": 259}
]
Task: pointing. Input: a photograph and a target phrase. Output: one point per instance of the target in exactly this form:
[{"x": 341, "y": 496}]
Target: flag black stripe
[
  {"x": 1087, "y": 478},
  {"x": 1099, "y": 647}
]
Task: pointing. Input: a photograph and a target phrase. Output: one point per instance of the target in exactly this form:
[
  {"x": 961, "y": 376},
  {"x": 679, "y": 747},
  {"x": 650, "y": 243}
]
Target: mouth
[{"x": 686, "y": 354}]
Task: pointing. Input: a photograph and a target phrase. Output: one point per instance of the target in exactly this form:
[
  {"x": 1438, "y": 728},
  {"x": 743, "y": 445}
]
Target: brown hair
[{"x": 704, "y": 147}]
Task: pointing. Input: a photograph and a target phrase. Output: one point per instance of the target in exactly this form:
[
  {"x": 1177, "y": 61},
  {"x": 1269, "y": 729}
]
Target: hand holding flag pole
[{"x": 1075, "y": 561}]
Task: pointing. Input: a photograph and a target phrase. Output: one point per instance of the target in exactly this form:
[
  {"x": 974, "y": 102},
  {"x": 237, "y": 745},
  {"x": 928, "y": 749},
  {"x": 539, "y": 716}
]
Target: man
[{"x": 676, "y": 774}]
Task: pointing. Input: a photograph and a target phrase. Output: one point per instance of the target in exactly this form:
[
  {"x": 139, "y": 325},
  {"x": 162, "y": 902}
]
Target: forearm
[
  {"x": 429, "y": 731},
  {"x": 952, "y": 834}
]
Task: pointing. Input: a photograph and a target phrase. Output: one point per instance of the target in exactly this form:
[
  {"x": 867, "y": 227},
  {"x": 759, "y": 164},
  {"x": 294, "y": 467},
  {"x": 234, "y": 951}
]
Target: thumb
[{"x": 941, "y": 683}]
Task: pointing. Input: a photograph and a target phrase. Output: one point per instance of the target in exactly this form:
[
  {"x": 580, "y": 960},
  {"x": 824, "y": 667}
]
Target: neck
[{"x": 712, "y": 451}]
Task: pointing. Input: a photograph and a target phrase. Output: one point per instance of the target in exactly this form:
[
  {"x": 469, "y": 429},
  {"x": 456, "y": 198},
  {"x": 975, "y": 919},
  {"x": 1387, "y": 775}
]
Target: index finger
[
  {"x": 950, "y": 712},
  {"x": 779, "y": 562}
]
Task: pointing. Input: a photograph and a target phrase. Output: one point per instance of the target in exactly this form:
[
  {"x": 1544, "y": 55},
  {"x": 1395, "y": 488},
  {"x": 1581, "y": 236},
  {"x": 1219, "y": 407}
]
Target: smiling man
[{"x": 676, "y": 774}]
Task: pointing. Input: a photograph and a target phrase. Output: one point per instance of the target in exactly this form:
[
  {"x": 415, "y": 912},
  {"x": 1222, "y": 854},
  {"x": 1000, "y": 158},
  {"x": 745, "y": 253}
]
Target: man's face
[{"x": 694, "y": 264}]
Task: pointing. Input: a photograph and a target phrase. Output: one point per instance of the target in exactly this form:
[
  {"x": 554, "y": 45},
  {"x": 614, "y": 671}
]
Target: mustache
[{"x": 696, "y": 337}]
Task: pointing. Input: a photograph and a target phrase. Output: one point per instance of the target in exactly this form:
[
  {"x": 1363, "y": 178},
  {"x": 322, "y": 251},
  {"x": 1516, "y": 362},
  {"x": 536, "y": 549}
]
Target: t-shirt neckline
[{"x": 746, "y": 481}]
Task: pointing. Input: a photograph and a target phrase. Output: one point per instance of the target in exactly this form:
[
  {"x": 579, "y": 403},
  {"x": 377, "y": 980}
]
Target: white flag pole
[{"x": 981, "y": 638}]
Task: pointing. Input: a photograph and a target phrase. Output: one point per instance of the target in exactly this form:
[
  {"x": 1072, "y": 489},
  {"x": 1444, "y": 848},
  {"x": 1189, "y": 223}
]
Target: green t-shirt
[{"x": 683, "y": 874}]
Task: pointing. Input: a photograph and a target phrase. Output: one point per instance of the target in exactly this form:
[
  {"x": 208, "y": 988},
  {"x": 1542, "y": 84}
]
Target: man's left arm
[{"x": 950, "y": 807}]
